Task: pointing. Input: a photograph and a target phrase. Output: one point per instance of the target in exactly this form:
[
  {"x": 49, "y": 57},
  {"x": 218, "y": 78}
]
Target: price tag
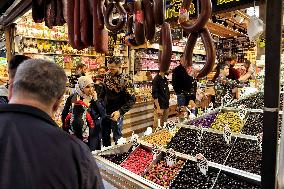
[
  {"x": 155, "y": 151},
  {"x": 199, "y": 132},
  {"x": 259, "y": 140},
  {"x": 134, "y": 140},
  {"x": 171, "y": 157},
  {"x": 159, "y": 127},
  {"x": 202, "y": 163},
  {"x": 226, "y": 99},
  {"x": 227, "y": 134},
  {"x": 210, "y": 107},
  {"x": 242, "y": 111}
]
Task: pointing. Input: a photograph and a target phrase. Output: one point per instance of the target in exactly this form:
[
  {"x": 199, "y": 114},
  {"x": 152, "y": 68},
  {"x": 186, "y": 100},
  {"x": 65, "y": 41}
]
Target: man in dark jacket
[
  {"x": 118, "y": 98},
  {"x": 34, "y": 151},
  {"x": 13, "y": 65},
  {"x": 184, "y": 85},
  {"x": 161, "y": 96}
]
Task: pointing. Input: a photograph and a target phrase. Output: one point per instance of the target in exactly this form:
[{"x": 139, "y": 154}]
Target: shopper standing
[
  {"x": 161, "y": 96},
  {"x": 119, "y": 97},
  {"x": 224, "y": 87},
  {"x": 12, "y": 67},
  {"x": 34, "y": 151},
  {"x": 233, "y": 72},
  {"x": 184, "y": 85},
  {"x": 82, "y": 113}
]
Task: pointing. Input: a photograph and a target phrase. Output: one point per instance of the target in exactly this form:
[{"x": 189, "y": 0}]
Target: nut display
[
  {"x": 246, "y": 155},
  {"x": 281, "y": 101},
  {"x": 204, "y": 121},
  {"x": 138, "y": 161},
  {"x": 161, "y": 138},
  {"x": 231, "y": 118},
  {"x": 162, "y": 174},
  {"x": 253, "y": 125},
  {"x": 191, "y": 177},
  {"x": 226, "y": 181}
]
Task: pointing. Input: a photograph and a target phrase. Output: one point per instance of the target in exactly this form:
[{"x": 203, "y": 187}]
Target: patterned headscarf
[{"x": 82, "y": 83}]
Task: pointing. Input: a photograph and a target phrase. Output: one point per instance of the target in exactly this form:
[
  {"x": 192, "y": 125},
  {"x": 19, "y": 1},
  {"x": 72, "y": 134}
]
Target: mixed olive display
[
  {"x": 241, "y": 153},
  {"x": 246, "y": 155},
  {"x": 253, "y": 102}
]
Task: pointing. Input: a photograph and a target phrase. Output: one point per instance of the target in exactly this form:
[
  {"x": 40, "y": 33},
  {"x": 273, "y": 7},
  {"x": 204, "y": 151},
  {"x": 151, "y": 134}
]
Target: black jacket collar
[{"x": 33, "y": 111}]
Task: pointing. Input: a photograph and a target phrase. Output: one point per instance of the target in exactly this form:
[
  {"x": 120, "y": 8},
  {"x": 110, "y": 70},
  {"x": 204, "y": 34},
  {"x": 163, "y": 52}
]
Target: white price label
[
  {"x": 242, "y": 111},
  {"x": 202, "y": 163},
  {"x": 227, "y": 134},
  {"x": 171, "y": 157},
  {"x": 259, "y": 140},
  {"x": 134, "y": 140},
  {"x": 155, "y": 151},
  {"x": 199, "y": 132}
]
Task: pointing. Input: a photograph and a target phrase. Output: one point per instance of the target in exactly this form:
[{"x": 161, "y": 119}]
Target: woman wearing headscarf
[{"x": 82, "y": 112}]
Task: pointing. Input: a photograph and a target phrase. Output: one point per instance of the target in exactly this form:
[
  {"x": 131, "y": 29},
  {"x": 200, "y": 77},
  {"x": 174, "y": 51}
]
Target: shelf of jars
[{"x": 209, "y": 152}]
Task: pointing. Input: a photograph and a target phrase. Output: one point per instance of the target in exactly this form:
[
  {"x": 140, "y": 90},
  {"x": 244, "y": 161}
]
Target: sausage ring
[
  {"x": 209, "y": 48},
  {"x": 122, "y": 16},
  {"x": 150, "y": 29},
  {"x": 195, "y": 30},
  {"x": 165, "y": 50},
  {"x": 206, "y": 12}
]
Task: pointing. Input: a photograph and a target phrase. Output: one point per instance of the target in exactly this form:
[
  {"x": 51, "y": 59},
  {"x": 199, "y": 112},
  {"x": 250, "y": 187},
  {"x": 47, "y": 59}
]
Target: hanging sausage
[
  {"x": 150, "y": 29},
  {"x": 100, "y": 34},
  {"x": 139, "y": 23},
  {"x": 159, "y": 16},
  {"x": 198, "y": 29},
  {"x": 165, "y": 51},
  {"x": 129, "y": 37},
  {"x": 108, "y": 16}
]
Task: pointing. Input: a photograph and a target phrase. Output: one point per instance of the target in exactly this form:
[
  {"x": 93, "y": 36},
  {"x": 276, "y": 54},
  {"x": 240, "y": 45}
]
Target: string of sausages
[{"x": 89, "y": 22}]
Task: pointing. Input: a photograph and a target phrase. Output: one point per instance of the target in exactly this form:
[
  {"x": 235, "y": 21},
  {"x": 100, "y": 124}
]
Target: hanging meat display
[
  {"x": 84, "y": 16},
  {"x": 198, "y": 29}
]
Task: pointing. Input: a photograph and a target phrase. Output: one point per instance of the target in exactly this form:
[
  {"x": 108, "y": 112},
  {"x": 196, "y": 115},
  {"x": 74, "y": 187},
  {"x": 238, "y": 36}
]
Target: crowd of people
[{"x": 36, "y": 152}]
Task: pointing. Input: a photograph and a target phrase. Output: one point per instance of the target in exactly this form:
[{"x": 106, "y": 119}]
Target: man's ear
[
  {"x": 10, "y": 89},
  {"x": 56, "y": 104}
]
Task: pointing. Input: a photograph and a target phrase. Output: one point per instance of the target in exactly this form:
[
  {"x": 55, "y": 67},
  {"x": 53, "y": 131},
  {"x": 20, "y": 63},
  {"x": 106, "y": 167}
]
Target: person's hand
[
  {"x": 251, "y": 69},
  {"x": 94, "y": 94},
  {"x": 115, "y": 115}
]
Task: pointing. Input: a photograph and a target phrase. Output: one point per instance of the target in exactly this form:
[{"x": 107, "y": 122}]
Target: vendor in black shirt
[
  {"x": 161, "y": 96},
  {"x": 184, "y": 85}
]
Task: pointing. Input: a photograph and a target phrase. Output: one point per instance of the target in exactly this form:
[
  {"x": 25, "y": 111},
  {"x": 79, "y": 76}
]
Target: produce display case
[{"x": 223, "y": 174}]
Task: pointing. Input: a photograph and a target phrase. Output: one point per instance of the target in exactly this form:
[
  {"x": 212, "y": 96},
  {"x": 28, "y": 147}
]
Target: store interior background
[{"x": 229, "y": 31}]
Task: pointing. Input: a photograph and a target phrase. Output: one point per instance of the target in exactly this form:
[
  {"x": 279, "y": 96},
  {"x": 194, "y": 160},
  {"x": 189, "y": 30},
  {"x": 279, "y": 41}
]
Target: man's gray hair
[{"x": 42, "y": 79}]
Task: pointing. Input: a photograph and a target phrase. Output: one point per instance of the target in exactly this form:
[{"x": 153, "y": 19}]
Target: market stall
[{"x": 221, "y": 148}]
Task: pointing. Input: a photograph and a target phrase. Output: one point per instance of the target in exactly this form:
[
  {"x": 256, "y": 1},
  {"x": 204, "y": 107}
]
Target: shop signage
[
  {"x": 202, "y": 163},
  {"x": 173, "y": 7}
]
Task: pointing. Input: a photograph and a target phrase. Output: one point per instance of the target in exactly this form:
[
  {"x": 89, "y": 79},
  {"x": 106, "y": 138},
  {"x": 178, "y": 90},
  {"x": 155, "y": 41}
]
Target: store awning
[{"x": 16, "y": 9}]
